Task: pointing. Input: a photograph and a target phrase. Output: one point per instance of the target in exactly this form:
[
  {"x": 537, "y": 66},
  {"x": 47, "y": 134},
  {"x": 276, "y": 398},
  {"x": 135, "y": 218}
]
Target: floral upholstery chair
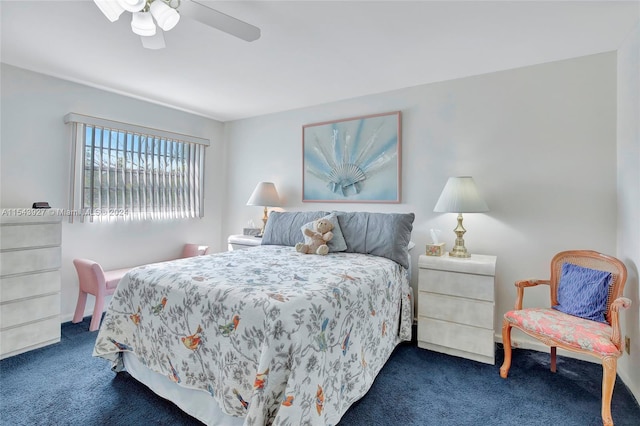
[{"x": 586, "y": 295}]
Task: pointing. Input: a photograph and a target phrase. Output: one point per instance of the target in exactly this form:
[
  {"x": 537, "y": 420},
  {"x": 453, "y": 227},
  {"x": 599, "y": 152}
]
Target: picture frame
[{"x": 353, "y": 160}]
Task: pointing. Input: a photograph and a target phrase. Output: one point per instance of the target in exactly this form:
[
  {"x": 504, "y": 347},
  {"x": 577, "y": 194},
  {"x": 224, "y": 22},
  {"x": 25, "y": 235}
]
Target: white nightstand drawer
[
  {"x": 29, "y": 336},
  {"x": 27, "y": 310},
  {"x": 29, "y": 285},
  {"x": 457, "y": 284},
  {"x": 22, "y": 261},
  {"x": 454, "y": 309},
  {"x": 456, "y": 336},
  {"x": 26, "y": 236}
]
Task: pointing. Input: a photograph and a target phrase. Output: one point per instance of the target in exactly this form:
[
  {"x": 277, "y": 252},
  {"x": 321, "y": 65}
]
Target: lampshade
[
  {"x": 132, "y": 5},
  {"x": 166, "y": 17},
  {"x": 265, "y": 194},
  {"x": 110, "y": 8},
  {"x": 142, "y": 24},
  {"x": 460, "y": 195}
]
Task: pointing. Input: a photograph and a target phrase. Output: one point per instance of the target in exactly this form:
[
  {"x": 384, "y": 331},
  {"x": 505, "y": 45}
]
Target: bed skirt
[{"x": 196, "y": 403}]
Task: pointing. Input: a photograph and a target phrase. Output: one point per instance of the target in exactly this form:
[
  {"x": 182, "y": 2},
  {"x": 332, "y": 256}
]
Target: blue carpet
[{"x": 63, "y": 384}]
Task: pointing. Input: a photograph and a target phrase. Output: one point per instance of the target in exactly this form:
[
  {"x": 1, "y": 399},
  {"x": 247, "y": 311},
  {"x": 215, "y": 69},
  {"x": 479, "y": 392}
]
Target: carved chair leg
[
  {"x": 553, "y": 359},
  {"x": 506, "y": 344},
  {"x": 609, "y": 366}
]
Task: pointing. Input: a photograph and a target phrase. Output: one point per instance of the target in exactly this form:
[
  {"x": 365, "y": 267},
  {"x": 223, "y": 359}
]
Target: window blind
[{"x": 123, "y": 171}]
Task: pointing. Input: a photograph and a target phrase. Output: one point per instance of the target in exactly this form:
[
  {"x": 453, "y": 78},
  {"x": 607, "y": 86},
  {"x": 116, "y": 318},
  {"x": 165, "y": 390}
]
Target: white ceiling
[{"x": 310, "y": 52}]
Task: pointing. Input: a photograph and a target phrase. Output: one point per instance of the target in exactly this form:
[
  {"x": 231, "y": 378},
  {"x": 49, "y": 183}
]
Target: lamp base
[
  {"x": 265, "y": 218},
  {"x": 459, "y": 250}
]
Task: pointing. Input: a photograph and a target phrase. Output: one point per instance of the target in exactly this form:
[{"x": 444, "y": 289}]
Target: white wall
[
  {"x": 35, "y": 159},
  {"x": 629, "y": 198},
  {"x": 539, "y": 141}
]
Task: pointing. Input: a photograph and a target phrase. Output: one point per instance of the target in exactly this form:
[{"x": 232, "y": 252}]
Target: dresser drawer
[
  {"x": 29, "y": 336},
  {"x": 457, "y": 336},
  {"x": 29, "y": 285},
  {"x": 32, "y": 235},
  {"x": 22, "y": 261},
  {"x": 454, "y": 309},
  {"x": 27, "y": 310},
  {"x": 457, "y": 284}
]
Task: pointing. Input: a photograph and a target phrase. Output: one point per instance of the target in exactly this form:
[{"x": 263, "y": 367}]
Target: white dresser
[
  {"x": 456, "y": 300},
  {"x": 30, "y": 259},
  {"x": 240, "y": 242}
]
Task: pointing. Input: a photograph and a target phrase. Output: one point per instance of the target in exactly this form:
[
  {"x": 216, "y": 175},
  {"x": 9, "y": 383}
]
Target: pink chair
[
  {"x": 93, "y": 280},
  {"x": 190, "y": 250}
]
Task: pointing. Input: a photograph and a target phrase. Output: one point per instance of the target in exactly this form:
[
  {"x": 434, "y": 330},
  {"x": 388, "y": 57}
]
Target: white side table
[
  {"x": 240, "y": 242},
  {"x": 456, "y": 300}
]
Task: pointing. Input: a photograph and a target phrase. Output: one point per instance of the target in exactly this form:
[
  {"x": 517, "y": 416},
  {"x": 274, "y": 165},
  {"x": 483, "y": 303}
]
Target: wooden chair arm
[
  {"x": 522, "y": 284},
  {"x": 616, "y": 305},
  {"x": 531, "y": 283},
  {"x": 620, "y": 302}
]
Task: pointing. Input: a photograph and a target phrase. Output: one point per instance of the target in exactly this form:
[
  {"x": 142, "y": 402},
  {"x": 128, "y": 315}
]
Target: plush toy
[{"x": 320, "y": 236}]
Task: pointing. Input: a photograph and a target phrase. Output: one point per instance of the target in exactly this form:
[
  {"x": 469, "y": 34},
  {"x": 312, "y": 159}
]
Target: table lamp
[
  {"x": 265, "y": 195},
  {"x": 460, "y": 195}
]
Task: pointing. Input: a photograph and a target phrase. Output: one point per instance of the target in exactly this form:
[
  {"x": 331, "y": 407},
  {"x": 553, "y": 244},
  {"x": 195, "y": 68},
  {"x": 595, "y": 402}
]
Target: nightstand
[
  {"x": 456, "y": 299},
  {"x": 240, "y": 242}
]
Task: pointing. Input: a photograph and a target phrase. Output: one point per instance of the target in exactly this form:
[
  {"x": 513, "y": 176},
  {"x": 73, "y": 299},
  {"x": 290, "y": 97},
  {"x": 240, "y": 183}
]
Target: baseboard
[
  {"x": 627, "y": 380},
  {"x": 66, "y": 318}
]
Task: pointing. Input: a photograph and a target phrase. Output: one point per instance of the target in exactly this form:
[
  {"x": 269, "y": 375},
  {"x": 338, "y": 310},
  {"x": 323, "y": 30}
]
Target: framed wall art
[{"x": 354, "y": 160}]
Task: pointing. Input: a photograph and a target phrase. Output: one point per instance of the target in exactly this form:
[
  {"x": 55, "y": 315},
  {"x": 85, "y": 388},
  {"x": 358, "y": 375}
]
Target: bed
[{"x": 268, "y": 335}]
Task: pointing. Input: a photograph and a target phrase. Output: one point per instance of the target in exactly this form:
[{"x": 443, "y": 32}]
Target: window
[{"x": 132, "y": 172}]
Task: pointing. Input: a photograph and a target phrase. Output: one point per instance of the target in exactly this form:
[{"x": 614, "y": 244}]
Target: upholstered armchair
[{"x": 586, "y": 296}]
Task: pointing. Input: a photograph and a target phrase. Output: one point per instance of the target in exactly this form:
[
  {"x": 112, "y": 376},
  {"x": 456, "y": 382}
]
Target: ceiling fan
[{"x": 167, "y": 13}]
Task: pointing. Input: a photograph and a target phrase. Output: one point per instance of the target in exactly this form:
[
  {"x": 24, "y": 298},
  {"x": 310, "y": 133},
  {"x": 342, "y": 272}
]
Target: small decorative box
[
  {"x": 251, "y": 231},
  {"x": 435, "y": 249}
]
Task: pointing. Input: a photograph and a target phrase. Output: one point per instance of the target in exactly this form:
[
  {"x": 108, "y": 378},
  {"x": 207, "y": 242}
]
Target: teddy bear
[{"x": 320, "y": 236}]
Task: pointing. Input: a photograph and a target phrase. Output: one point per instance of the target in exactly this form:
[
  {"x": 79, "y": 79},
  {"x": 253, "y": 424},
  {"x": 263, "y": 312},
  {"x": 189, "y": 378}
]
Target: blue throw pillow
[{"x": 583, "y": 292}]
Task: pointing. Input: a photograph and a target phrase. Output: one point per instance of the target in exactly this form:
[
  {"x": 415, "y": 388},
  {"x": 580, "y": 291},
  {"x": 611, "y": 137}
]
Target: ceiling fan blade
[
  {"x": 213, "y": 18},
  {"x": 154, "y": 42}
]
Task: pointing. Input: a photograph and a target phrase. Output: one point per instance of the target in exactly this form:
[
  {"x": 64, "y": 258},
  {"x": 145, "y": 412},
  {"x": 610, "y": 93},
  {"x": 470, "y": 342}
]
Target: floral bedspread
[{"x": 275, "y": 336}]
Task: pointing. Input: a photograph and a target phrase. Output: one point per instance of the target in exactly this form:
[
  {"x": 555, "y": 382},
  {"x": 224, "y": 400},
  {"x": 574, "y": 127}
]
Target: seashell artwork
[{"x": 353, "y": 160}]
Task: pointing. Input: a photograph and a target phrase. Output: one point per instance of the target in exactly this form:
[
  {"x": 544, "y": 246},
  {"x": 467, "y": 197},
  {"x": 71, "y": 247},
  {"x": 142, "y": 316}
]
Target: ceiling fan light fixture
[
  {"x": 154, "y": 42},
  {"x": 132, "y": 5},
  {"x": 110, "y": 8},
  {"x": 166, "y": 16},
  {"x": 142, "y": 24}
]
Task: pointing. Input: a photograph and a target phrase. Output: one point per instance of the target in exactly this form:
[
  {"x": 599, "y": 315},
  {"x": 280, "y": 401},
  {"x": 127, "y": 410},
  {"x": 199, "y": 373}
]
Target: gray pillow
[
  {"x": 380, "y": 234},
  {"x": 337, "y": 243},
  {"x": 283, "y": 228}
]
